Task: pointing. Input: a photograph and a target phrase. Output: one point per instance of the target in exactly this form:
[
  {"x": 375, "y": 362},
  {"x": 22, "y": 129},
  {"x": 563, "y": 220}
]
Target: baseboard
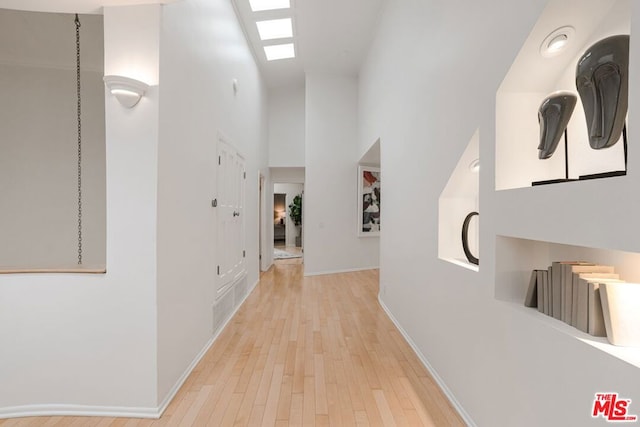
[
  {"x": 457, "y": 406},
  {"x": 176, "y": 387},
  {"x": 249, "y": 292},
  {"x": 348, "y": 270},
  {"x": 118, "y": 411},
  {"x": 77, "y": 411}
]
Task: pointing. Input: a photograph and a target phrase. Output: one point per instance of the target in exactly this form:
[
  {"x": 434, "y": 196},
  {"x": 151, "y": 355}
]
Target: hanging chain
[{"x": 77, "y": 22}]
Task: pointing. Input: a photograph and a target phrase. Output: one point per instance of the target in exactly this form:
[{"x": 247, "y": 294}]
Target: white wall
[
  {"x": 38, "y": 165},
  {"x": 291, "y": 191},
  {"x": 331, "y": 153},
  {"x": 502, "y": 365},
  {"x": 65, "y": 333},
  {"x": 202, "y": 51},
  {"x": 286, "y": 127},
  {"x": 136, "y": 329},
  {"x": 287, "y": 175}
]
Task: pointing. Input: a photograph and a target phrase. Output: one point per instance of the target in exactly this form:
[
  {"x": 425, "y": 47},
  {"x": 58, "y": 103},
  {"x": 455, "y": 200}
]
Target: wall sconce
[{"x": 127, "y": 91}]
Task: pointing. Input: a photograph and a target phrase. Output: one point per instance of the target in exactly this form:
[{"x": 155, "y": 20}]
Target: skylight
[
  {"x": 275, "y": 29},
  {"x": 279, "y": 51},
  {"x": 259, "y": 5}
]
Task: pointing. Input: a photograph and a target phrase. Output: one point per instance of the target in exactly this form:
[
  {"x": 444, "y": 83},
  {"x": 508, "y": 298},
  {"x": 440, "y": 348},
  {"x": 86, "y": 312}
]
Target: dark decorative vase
[
  {"x": 602, "y": 80},
  {"x": 553, "y": 115}
]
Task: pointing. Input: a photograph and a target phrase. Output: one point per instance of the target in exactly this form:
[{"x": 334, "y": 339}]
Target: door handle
[{"x": 236, "y": 213}]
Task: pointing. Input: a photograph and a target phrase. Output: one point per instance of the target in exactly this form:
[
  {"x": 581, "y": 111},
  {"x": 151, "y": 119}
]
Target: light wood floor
[{"x": 302, "y": 351}]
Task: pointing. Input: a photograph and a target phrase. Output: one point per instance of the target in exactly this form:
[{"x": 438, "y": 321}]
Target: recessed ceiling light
[
  {"x": 259, "y": 5},
  {"x": 279, "y": 51},
  {"x": 556, "y": 41},
  {"x": 275, "y": 29}
]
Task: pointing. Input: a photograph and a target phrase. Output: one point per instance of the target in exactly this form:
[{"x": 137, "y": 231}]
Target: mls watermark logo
[{"x": 612, "y": 408}]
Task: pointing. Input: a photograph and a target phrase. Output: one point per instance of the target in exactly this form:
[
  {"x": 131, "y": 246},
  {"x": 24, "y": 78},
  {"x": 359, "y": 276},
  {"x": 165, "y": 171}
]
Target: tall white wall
[
  {"x": 503, "y": 366},
  {"x": 330, "y": 203},
  {"x": 65, "y": 334},
  {"x": 286, "y": 127},
  {"x": 202, "y": 51}
]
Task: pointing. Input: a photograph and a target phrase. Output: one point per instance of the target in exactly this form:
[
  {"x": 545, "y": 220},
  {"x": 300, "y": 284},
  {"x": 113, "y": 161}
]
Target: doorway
[{"x": 287, "y": 222}]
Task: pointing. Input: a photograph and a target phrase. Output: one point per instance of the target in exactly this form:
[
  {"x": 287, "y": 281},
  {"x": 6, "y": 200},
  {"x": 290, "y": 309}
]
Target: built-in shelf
[
  {"x": 630, "y": 355},
  {"x": 462, "y": 263},
  {"x": 532, "y": 77},
  {"x": 458, "y": 199},
  {"x": 516, "y": 258}
]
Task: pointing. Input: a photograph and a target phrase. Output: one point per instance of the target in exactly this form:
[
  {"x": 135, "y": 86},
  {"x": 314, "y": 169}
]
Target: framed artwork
[{"x": 368, "y": 201}]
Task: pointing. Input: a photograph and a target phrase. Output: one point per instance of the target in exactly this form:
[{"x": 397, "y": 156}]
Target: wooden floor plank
[{"x": 300, "y": 351}]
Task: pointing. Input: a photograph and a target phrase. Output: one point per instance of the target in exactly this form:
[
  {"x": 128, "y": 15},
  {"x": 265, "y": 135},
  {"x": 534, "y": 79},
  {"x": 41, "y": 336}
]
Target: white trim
[
  {"x": 77, "y": 411},
  {"x": 119, "y": 411},
  {"x": 457, "y": 406},
  {"x": 348, "y": 270},
  {"x": 176, "y": 387},
  {"x": 248, "y": 293}
]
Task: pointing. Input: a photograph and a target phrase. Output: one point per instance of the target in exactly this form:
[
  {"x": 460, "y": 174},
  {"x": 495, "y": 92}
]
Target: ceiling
[
  {"x": 71, "y": 6},
  {"x": 331, "y": 36}
]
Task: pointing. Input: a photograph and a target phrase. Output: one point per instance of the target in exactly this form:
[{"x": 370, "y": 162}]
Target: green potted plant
[{"x": 295, "y": 213}]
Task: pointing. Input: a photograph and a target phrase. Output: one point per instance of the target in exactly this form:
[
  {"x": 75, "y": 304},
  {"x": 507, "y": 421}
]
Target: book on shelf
[
  {"x": 547, "y": 291},
  {"x": 603, "y": 271},
  {"x": 540, "y": 289},
  {"x": 556, "y": 280},
  {"x": 580, "y": 308},
  {"x": 531, "y": 299},
  {"x": 567, "y": 284},
  {"x": 595, "y": 317}
]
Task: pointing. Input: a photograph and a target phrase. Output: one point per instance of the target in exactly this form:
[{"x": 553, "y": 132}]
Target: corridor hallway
[{"x": 301, "y": 351}]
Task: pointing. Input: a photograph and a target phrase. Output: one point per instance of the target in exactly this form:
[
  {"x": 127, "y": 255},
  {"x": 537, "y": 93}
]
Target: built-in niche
[
  {"x": 369, "y": 189},
  {"x": 458, "y": 218},
  {"x": 547, "y": 64},
  {"x": 39, "y": 153},
  {"x": 515, "y": 260}
]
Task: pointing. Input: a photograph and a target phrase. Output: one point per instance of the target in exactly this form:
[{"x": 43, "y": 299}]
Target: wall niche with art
[
  {"x": 369, "y": 193},
  {"x": 561, "y": 110},
  {"x": 458, "y": 214}
]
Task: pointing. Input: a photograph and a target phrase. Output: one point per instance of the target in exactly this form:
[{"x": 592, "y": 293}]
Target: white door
[{"x": 230, "y": 217}]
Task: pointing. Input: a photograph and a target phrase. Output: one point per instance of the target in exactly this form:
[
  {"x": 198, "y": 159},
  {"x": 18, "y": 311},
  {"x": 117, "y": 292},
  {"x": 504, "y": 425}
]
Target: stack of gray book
[{"x": 570, "y": 291}]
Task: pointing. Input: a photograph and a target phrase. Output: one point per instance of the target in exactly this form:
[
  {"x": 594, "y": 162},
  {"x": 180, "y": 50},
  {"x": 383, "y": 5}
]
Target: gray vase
[
  {"x": 602, "y": 80},
  {"x": 553, "y": 115}
]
